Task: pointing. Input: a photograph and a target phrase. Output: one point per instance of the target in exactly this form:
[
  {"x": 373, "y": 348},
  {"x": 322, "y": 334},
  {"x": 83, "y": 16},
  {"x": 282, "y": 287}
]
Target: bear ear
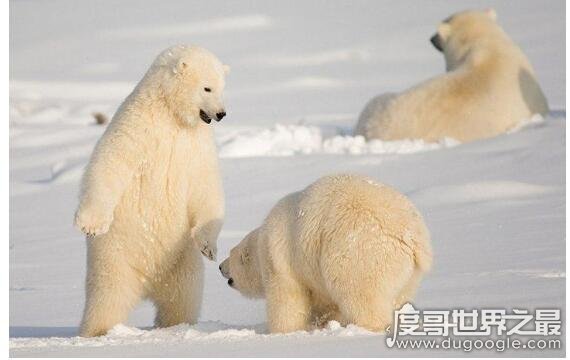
[
  {"x": 490, "y": 12},
  {"x": 226, "y": 69},
  {"x": 181, "y": 67},
  {"x": 444, "y": 29}
]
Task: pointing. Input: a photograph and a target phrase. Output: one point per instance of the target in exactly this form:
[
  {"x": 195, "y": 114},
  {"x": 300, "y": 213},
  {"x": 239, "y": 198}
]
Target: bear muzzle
[
  {"x": 208, "y": 119},
  {"x": 224, "y": 269}
]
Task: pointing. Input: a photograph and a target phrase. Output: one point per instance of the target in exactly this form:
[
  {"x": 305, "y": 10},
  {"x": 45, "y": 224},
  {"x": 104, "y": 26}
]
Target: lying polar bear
[
  {"x": 346, "y": 248},
  {"x": 489, "y": 88}
]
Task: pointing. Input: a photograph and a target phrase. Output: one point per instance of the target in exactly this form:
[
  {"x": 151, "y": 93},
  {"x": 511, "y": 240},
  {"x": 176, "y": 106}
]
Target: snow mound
[
  {"x": 289, "y": 140},
  {"x": 211, "y": 331}
]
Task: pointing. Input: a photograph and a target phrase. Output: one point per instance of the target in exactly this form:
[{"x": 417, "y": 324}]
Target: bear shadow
[
  {"x": 43, "y": 331},
  {"x": 530, "y": 90}
]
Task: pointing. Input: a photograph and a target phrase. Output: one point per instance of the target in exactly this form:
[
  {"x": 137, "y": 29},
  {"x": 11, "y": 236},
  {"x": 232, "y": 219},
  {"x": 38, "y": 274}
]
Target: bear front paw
[
  {"x": 92, "y": 223},
  {"x": 203, "y": 241},
  {"x": 209, "y": 251}
]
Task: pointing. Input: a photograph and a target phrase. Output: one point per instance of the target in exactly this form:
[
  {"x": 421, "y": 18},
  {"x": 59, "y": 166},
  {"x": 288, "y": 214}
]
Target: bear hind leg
[
  {"x": 365, "y": 289},
  {"x": 368, "y": 309},
  {"x": 177, "y": 295},
  {"x": 111, "y": 292}
]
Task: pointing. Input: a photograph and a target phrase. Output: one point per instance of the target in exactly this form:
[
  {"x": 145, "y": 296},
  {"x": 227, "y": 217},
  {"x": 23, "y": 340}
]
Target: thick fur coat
[
  {"x": 345, "y": 248},
  {"x": 152, "y": 196}
]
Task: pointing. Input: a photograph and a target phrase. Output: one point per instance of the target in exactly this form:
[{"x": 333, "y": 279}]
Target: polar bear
[
  {"x": 489, "y": 88},
  {"x": 345, "y": 248},
  {"x": 152, "y": 197}
]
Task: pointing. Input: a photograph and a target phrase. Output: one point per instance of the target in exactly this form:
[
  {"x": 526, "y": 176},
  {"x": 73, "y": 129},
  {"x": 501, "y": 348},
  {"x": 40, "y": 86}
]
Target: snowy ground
[{"x": 496, "y": 208}]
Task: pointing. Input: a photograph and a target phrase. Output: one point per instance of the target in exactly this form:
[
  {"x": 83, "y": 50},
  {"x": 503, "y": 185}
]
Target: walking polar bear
[
  {"x": 152, "y": 197},
  {"x": 345, "y": 248},
  {"x": 489, "y": 88}
]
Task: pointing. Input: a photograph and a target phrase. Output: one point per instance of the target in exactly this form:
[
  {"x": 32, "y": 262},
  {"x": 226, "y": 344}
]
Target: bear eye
[{"x": 207, "y": 89}]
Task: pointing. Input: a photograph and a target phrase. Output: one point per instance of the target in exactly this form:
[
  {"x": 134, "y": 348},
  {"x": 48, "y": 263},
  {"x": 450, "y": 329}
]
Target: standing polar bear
[
  {"x": 489, "y": 88},
  {"x": 152, "y": 197},
  {"x": 345, "y": 248}
]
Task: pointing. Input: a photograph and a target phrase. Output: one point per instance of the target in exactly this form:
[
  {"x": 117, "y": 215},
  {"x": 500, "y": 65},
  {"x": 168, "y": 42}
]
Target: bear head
[
  {"x": 461, "y": 35},
  {"x": 242, "y": 268},
  {"x": 191, "y": 79}
]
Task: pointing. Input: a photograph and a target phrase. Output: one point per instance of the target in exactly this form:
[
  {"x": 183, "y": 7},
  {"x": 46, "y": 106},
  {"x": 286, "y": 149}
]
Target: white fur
[
  {"x": 152, "y": 196},
  {"x": 345, "y": 248},
  {"x": 489, "y": 88}
]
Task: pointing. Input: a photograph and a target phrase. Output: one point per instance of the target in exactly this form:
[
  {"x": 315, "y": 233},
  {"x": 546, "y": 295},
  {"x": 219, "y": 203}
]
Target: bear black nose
[
  {"x": 436, "y": 42},
  {"x": 220, "y": 267},
  {"x": 220, "y": 115},
  {"x": 230, "y": 282}
]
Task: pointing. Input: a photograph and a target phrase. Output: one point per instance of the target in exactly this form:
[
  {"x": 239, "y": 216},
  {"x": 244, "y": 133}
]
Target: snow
[
  {"x": 204, "y": 333},
  {"x": 213, "y": 25},
  {"x": 495, "y": 208}
]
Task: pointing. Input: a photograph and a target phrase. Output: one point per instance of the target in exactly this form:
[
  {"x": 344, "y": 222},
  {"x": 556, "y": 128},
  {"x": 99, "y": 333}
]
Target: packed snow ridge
[{"x": 289, "y": 140}]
